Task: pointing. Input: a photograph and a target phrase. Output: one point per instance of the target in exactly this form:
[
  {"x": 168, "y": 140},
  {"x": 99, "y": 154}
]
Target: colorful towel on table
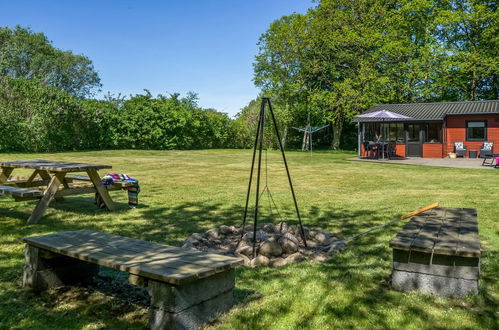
[{"x": 133, "y": 190}]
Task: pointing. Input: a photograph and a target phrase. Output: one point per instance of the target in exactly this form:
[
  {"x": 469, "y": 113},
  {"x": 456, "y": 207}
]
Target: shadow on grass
[
  {"x": 81, "y": 206},
  {"x": 352, "y": 287}
]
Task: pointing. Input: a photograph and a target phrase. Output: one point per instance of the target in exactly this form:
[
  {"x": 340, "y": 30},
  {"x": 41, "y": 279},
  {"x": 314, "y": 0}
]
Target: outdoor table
[
  {"x": 53, "y": 175},
  {"x": 383, "y": 147}
]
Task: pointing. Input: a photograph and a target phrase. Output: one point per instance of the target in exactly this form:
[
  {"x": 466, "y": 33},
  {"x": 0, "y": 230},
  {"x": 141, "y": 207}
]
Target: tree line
[
  {"x": 46, "y": 104},
  {"x": 37, "y": 117},
  {"x": 343, "y": 56},
  {"x": 324, "y": 66}
]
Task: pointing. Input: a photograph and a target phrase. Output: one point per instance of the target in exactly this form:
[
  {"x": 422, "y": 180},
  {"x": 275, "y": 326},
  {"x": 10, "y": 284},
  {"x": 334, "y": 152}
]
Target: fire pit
[{"x": 276, "y": 244}]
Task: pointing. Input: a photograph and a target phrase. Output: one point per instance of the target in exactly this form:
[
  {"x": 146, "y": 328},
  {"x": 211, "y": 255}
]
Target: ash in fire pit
[{"x": 276, "y": 245}]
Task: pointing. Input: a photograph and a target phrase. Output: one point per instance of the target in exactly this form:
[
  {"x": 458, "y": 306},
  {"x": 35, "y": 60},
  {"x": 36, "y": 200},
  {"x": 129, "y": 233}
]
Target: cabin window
[
  {"x": 433, "y": 133},
  {"x": 476, "y": 130},
  {"x": 371, "y": 131},
  {"x": 393, "y": 132},
  {"x": 396, "y": 132}
]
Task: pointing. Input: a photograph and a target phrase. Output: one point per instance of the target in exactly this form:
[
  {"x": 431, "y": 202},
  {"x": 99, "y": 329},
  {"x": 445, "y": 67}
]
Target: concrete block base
[
  {"x": 44, "y": 270},
  {"x": 193, "y": 317},
  {"x": 191, "y": 305},
  {"x": 435, "y": 284}
]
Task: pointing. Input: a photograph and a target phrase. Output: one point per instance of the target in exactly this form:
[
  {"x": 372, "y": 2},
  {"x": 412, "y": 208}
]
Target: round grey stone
[
  {"x": 245, "y": 250},
  {"x": 291, "y": 238},
  {"x": 270, "y": 249},
  {"x": 213, "y": 233},
  {"x": 196, "y": 236},
  {"x": 311, "y": 234},
  {"x": 268, "y": 228},
  {"x": 323, "y": 238},
  {"x": 225, "y": 230},
  {"x": 278, "y": 262},
  {"x": 282, "y": 225},
  {"x": 295, "y": 257},
  {"x": 261, "y": 236},
  {"x": 288, "y": 245},
  {"x": 260, "y": 261}
]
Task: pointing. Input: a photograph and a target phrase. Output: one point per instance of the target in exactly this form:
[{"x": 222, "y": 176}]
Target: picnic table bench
[
  {"x": 490, "y": 160},
  {"x": 54, "y": 182},
  {"x": 187, "y": 287},
  {"x": 438, "y": 252}
]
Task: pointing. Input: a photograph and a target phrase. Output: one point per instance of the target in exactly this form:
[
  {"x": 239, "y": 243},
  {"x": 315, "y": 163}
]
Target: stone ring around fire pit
[{"x": 276, "y": 244}]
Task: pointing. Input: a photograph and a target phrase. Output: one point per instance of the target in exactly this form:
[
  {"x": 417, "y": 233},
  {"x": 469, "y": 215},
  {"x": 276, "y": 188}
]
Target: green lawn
[{"x": 191, "y": 191}]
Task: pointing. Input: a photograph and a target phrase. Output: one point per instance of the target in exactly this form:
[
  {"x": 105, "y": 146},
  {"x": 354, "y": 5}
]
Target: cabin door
[{"x": 414, "y": 140}]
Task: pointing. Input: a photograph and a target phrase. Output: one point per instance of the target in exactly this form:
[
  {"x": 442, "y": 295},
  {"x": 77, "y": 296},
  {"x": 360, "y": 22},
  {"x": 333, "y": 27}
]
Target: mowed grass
[{"x": 191, "y": 191}]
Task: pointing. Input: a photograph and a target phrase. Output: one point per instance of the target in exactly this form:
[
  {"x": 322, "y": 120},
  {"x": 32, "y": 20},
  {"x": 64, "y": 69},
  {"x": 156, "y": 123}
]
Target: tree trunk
[
  {"x": 473, "y": 86},
  {"x": 284, "y": 136},
  {"x": 337, "y": 126}
]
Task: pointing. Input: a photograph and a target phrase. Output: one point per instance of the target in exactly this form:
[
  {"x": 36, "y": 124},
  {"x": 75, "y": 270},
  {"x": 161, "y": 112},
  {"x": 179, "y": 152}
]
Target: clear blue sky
[{"x": 204, "y": 46}]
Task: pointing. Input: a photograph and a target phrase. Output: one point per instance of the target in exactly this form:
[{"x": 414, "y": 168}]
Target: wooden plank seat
[
  {"x": 438, "y": 252},
  {"x": 76, "y": 177},
  {"x": 188, "y": 288},
  {"x": 21, "y": 192}
]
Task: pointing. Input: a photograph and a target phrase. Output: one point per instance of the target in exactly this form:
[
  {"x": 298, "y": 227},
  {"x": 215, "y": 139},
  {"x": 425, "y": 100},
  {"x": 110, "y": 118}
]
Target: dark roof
[{"x": 436, "y": 111}]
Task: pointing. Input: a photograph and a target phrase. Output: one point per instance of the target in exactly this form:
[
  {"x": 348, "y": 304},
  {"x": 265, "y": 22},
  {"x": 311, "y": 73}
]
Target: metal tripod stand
[{"x": 259, "y": 146}]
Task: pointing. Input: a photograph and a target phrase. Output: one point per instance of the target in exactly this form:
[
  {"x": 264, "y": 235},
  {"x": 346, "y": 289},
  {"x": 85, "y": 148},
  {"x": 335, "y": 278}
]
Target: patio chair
[
  {"x": 369, "y": 149},
  {"x": 392, "y": 150},
  {"x": 486, "y": 149},
  {"x": 460, "y": 149},
  {"x": 366, "y": 149}
]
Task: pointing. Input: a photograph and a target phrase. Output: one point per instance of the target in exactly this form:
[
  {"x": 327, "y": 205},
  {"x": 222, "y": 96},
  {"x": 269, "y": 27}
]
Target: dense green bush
[
  {"x": 147, "y": 122},
  {"x": 39, "y": 117}
]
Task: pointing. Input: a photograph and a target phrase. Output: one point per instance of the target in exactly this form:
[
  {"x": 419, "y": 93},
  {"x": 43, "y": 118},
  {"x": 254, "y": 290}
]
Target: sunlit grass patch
[{"x": 192, "y": 191}]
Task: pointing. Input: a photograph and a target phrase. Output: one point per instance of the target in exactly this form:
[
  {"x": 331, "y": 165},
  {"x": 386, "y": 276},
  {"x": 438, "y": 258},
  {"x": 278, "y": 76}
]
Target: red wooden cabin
[{"x": 434, "y": 127}]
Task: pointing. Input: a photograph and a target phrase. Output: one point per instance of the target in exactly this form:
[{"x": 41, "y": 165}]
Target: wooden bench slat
[
  {"x": 126, "y": 246},
  {"x": 77, "y": 177},
  {"x": 53, "y": 166},
  {"x": 151, "y": 250},
  {"x": 20, "y": 192},
  {"x": 169, "y": 264}
]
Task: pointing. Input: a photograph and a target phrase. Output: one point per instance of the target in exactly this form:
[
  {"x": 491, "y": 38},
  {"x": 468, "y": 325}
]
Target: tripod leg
[
  {"x": 257, "y": 199},
  {"x": 287, "y": 170},
  {"x": 250, "y": 179}
]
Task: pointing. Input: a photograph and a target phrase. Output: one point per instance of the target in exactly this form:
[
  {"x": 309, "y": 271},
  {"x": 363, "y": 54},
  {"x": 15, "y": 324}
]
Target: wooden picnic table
[{"x": 55, "y": 181}]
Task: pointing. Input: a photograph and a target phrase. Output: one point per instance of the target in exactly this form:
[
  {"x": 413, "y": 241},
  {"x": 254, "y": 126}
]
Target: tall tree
[
  {"x": 341, "y": 73},
  {"x": 469, "y": 32},
  {"x": 25, "y": 54},
  {"x": 278, "y": 67},
  {"x": 344, "y": 56}
]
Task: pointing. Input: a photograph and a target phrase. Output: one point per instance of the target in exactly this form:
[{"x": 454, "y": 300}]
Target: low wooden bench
[
  {"x": 187, "y": 288},
  {"x": 438, "y": 252},
  {"x": 22, "y": 193}
]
